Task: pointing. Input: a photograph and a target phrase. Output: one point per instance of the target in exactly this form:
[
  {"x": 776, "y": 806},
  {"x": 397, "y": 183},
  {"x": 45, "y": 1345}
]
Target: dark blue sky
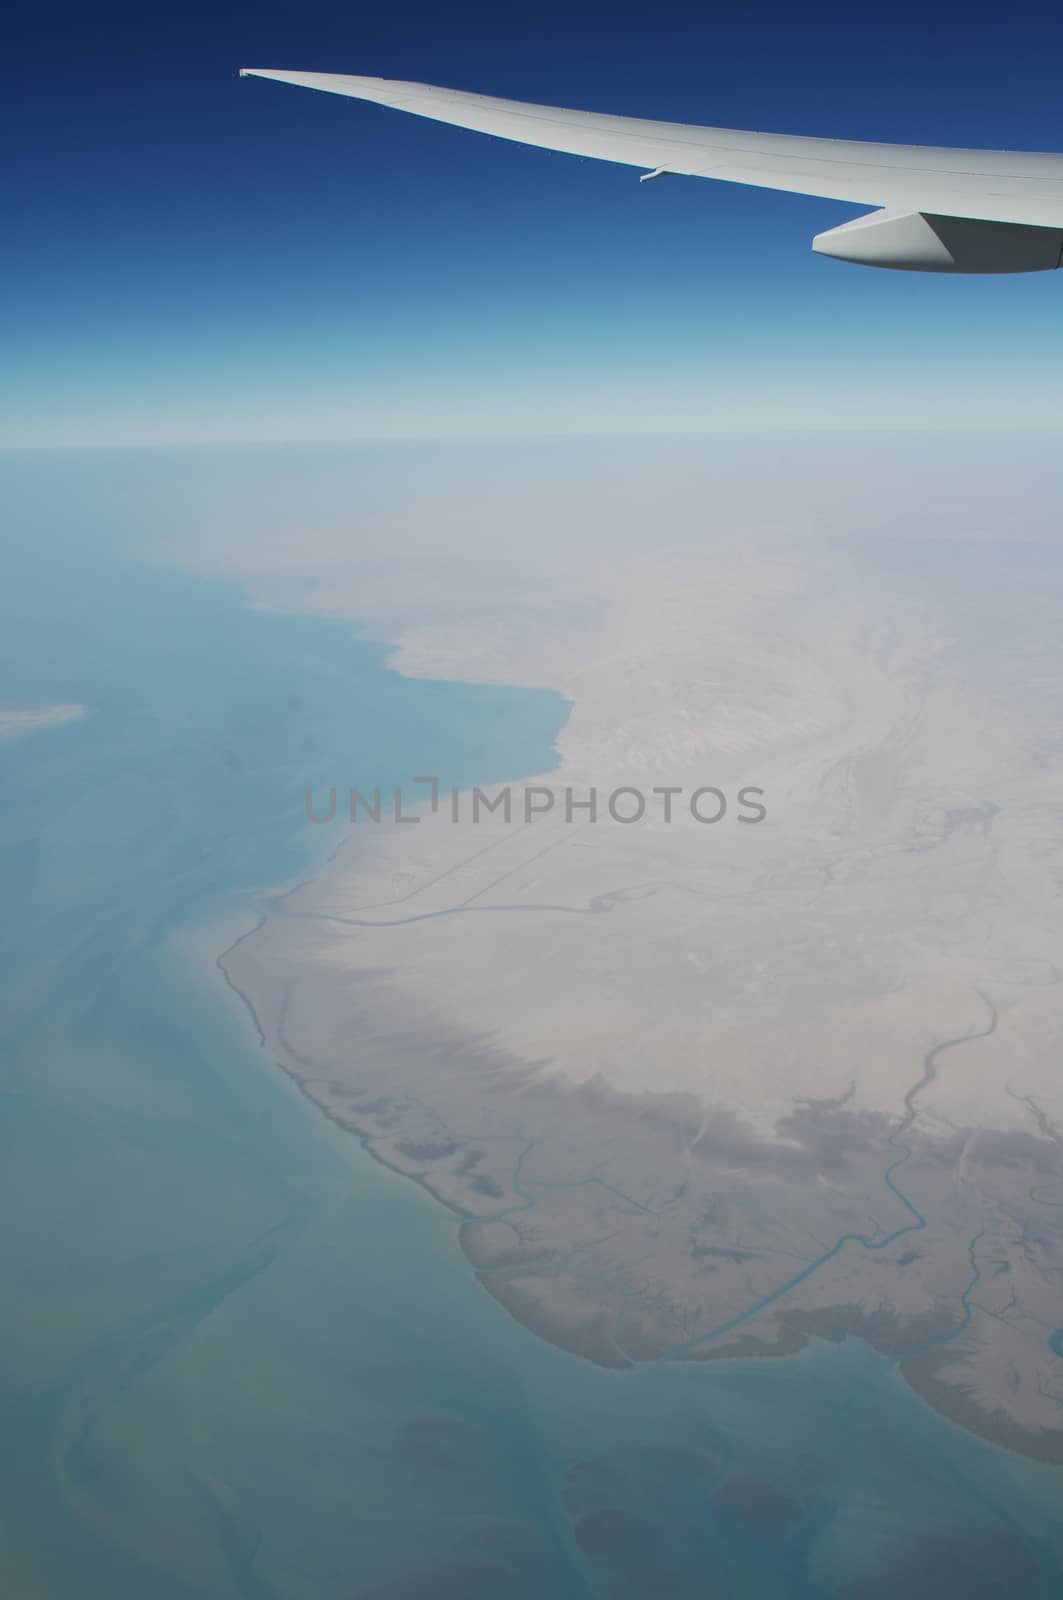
[{"x": 192, "y": 256}]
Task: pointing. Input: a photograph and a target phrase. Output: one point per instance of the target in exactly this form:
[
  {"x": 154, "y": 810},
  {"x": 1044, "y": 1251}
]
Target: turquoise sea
[{"x": 237, "y": 1357}]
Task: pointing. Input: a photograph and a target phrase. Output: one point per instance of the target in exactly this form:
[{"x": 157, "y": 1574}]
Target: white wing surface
[{"x": 942, "y": 209}]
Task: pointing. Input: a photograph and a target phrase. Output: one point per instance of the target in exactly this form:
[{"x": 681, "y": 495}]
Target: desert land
[{"x": 703, "y": 1089}]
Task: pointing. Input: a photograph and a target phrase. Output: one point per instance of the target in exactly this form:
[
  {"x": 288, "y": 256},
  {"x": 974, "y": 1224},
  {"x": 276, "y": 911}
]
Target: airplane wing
[{"x": 939, "y": 209}]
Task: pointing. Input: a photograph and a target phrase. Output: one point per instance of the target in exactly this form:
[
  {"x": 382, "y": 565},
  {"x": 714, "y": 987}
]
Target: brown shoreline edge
[{"x": 591, "y": 1336}]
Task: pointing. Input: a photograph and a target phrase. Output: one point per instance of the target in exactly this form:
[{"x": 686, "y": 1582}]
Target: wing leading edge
[{"x": 941, "y": 209}]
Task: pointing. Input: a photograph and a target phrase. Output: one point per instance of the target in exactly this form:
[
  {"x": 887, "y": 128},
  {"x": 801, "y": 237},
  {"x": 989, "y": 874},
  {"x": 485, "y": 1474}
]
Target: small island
[{"x": 16, "y": 723}]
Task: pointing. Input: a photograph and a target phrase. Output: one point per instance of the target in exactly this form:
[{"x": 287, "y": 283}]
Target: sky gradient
[{"x": 192, "y": 257}]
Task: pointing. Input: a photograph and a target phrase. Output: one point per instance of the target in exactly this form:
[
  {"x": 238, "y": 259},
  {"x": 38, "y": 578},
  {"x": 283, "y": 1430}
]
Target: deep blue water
[{"x": 237, "y": 1358}]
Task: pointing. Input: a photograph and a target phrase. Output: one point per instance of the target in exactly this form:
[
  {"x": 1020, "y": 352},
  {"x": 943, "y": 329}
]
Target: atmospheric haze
[{"x": 703, "y": 1090}]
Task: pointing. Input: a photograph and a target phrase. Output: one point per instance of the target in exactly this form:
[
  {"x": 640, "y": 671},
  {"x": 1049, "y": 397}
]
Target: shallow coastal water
[{"x": 239, "y": 1358}]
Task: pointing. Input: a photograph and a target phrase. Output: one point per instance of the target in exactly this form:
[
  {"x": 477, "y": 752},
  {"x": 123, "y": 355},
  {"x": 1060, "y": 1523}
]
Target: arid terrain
[{"x": 705, "y": 1088}]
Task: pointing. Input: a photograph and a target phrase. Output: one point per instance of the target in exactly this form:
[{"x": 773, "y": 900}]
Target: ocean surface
[{"x": 238, "y": 1357}]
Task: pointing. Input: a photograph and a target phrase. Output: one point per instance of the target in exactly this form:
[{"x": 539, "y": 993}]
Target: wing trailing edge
[{"x": 940, "y": 209}]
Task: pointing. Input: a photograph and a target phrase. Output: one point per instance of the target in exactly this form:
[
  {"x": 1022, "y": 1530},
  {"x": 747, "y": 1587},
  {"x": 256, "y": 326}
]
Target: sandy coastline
[
  {"x": 706, "y": 1091},
  {"x": 587, "y": 1212}
]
